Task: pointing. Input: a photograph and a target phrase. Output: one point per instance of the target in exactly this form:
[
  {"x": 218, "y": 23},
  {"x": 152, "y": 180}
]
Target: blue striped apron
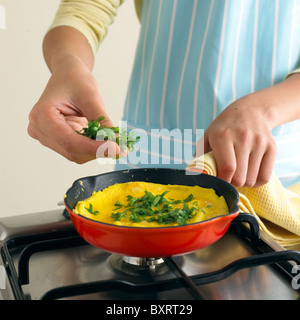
[{"x": 193, "y": 59}]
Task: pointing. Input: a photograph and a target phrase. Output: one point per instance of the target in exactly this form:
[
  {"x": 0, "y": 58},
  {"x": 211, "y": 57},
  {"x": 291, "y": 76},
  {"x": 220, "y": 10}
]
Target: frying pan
[{"x": 151, "y": 242}]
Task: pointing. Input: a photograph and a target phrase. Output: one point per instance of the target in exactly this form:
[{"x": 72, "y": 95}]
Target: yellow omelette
[{"x": 118, "y": 203}]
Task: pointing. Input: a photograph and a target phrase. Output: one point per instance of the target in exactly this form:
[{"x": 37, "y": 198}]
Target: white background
[{"x": 34, "y": 178}]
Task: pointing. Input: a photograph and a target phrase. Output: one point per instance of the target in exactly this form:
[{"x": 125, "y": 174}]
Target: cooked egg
[{"x": 101, "y": 205}]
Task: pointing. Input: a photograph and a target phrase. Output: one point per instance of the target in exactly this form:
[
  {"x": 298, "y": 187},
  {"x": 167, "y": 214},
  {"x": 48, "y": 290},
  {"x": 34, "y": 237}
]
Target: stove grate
[{"x": 190, "y": 282}]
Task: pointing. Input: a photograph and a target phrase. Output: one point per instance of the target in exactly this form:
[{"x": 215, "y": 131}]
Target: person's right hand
[{"x": 70, "y": 99}]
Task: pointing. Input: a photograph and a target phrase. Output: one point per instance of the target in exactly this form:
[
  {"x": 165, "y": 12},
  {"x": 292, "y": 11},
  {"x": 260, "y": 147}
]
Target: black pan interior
[{"x": 84, "y": 187}]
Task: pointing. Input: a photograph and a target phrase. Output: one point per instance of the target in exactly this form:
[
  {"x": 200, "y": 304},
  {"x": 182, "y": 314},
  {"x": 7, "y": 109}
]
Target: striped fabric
[{"x": 194, "y": 58}]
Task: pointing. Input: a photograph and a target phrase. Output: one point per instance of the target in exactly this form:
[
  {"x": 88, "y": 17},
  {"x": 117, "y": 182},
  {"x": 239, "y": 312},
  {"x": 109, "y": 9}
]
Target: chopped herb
[
  {"x": 118, "y": 215},
  {"x": 90, "y": 210},
  {"x": 156, "y": 208},
  {"x": 189, "y": 198},
  {"x": 123, "y": 138},
  {"x": 118, "y": 204}
]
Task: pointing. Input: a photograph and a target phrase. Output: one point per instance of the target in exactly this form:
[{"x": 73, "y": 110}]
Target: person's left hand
[{"x": 242, "y": 142}]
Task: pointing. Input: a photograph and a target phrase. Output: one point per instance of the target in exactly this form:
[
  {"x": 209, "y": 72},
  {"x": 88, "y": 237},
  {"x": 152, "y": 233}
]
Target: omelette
[{"x": 145, "y": 204}]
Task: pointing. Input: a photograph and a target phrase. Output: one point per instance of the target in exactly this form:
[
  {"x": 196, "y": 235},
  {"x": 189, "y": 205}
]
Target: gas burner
[
  {"x": 144, "y": 262},
  {"x": 138, "y": 266}
]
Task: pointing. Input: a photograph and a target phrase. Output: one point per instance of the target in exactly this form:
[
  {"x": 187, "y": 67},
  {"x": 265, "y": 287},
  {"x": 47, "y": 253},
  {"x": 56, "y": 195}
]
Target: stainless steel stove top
[{"x": 57, "y": 264}]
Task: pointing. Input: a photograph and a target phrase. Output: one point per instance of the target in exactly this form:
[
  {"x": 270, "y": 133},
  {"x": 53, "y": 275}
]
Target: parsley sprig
[
  {"x": 90, "y": 210},
  {"x": 156, "y": 208},
  {"x": 124, "y": 139}
]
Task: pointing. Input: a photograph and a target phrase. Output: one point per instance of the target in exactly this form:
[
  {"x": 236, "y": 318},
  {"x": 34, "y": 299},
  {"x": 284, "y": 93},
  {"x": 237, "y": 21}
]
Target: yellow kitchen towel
[{"x": 276, "y": 208}]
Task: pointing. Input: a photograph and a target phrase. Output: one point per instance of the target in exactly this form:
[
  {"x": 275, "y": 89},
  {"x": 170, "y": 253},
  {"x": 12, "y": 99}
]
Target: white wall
[{"x": 32, "y": 177}]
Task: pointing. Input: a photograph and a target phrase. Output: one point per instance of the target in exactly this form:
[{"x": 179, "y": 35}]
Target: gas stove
[{"x": 43, "y": 257}]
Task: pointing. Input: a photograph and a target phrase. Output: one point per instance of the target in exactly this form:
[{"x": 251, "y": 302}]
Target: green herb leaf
[
  {"x": 189, "y": 198},
  {"x": 118, "y": 204},
  {"x": 119, "y": 215},
  {"x": 156, "y": 208},
  {"x": 90, "y": 210},
  {"x": 95, "y": 131}
]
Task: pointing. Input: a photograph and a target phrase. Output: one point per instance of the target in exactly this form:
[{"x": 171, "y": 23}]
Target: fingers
[
  {"x": 245, "y": 162},
  {"x": 255, "y": 162},
  {"x": 266, "y": 165},
  {"x": 77, "y": 148},
  {"x": 224, "y": 154},
  {"x": 71, "y": 99},
  {"x": 62, "y": 138}
]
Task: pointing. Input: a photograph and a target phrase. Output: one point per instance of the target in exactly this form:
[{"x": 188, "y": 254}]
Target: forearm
[
  {"x": 65, "y": 46},
  {"x": 279, "y": 104}
]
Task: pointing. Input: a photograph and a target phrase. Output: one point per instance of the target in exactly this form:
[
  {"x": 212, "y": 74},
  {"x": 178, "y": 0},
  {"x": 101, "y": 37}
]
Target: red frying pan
[{"x": 151, "y": 242}]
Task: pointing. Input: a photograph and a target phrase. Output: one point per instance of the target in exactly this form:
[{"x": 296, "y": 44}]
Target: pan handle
[{"x": 253, "y": 224}]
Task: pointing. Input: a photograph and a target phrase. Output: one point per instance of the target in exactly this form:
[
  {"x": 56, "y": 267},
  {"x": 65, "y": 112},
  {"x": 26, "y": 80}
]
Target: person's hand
[
  {"x": 242, "y": 142},
  {"x": 70, "y": 99}
]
